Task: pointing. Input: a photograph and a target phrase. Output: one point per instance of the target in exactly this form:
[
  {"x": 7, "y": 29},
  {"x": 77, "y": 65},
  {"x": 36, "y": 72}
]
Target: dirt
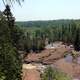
[
  {"x": 31, "y": 74},
  {"x": 49, "y": 56},
  {"x": 72, "y": 69}
]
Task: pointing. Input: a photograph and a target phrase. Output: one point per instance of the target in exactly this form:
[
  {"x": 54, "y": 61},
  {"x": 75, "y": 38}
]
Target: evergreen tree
[
  {"x": 77, "y": 40},
  {"x": 10, "y": 62}
]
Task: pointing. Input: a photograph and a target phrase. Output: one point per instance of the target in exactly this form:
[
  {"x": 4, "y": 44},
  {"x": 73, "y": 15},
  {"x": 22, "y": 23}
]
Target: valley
[{"x": 35, "y": 64}]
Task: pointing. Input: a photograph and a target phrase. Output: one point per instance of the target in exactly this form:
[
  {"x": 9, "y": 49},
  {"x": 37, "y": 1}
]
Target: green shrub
[{"x": 53, "y": 74}]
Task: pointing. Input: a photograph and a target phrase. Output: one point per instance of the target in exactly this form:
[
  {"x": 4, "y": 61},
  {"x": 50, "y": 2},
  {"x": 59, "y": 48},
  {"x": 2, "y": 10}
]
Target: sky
[{"x": 45, "y": 10}]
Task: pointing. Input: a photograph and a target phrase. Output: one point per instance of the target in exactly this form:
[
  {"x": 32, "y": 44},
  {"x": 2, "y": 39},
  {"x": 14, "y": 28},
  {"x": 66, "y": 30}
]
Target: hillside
[{"x": 46, "y": 23}]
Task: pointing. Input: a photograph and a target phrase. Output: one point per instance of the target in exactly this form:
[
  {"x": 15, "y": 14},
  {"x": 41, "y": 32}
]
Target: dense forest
[
  {"x": 30, "y": 36},
  {"x": 37, "y": 33},
  {"x": 47, "y": 23}
]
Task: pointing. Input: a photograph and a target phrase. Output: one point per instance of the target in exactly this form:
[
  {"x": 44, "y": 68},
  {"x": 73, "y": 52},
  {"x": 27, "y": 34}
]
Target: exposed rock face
[
  {"x": 53, "y": 57},
  {"x": 47, "y": 56}
]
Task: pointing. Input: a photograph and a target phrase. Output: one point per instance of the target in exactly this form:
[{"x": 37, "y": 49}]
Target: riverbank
[{"x": 51, "y": 57}]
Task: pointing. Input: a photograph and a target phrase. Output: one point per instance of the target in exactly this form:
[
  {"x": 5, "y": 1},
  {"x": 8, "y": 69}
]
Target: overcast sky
[{"x": 46, "y": 10}]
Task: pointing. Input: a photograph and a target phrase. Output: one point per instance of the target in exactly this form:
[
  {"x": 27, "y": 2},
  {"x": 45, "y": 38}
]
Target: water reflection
[{"x": 69, "y": 58}]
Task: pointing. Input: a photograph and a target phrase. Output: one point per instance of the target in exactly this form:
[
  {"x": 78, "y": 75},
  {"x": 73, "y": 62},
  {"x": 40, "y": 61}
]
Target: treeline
[
  {"x": 49, "y": 23},
  {"x": 34, "y": 42},
  {"x": 67, "y": 31},
  {"x": 31, "y": 39}
]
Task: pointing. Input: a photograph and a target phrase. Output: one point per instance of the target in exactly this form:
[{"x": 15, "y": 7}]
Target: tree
[
  {"x": 77, "y": 40},
  {"x": 53, "y": 74},
  {"x": 27, "y": 42},
  {"x": 10, "y": 62},
  {"x": 12, "y": 1},
  {"x": 48, "y": 74}
]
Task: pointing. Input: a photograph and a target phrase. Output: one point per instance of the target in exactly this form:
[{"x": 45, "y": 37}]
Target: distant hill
[{"x": 49, "y": 23}]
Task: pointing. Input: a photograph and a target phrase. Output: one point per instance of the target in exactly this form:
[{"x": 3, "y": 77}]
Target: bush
[{"x": 53, "y": 74}]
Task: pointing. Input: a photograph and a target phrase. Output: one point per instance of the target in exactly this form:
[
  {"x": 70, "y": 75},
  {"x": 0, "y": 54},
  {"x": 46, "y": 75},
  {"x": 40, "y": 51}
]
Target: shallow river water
[{"x": 69, "y": 58}]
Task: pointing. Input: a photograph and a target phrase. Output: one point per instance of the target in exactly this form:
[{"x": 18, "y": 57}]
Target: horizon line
[{"x": 44, "y": 20}]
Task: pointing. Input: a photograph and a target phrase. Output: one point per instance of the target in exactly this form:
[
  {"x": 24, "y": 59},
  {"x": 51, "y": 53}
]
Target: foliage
[
  {"x": 67, "y": 31},
  {"x": 35, "y": 42},
  {"x": 10, "y": 2},
  {"x": 10, "y": 62},
  {"x": 77, "y": 40},
  {"x": 53, "y": 74}
]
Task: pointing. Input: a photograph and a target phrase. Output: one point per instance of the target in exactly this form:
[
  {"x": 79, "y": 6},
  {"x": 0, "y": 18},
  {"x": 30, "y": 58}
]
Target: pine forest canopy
[
  {"x": 67, "y": 31},
  {"x": 48, "y": 23}
]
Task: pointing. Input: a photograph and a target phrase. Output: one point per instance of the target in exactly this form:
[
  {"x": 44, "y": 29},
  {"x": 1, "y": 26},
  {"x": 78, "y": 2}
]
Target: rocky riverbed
[{"x": 35, "y": 64}]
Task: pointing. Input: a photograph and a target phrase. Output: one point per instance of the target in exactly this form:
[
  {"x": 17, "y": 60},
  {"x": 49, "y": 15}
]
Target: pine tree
[
  {"x": 77, "y": 40},
  {"x": 10, "y": 62}
]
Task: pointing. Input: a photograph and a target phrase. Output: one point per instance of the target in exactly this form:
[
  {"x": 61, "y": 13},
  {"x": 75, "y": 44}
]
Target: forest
[
  {"x": 31, "y": 36},
  {"x": 38, "y": 32}
]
